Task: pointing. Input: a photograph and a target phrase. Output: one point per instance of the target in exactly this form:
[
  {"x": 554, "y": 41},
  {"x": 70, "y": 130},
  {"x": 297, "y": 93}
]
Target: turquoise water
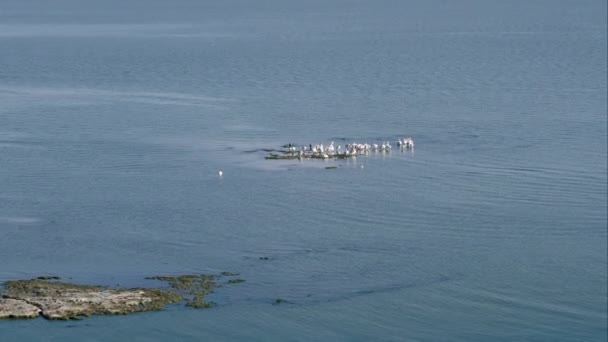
[{"x": 115, "y": 119}]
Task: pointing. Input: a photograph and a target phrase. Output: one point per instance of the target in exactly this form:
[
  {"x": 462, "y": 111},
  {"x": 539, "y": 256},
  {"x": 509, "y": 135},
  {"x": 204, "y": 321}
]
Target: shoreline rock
[
  {"x": 15, "y": 308},
  {"x": 56, "y": 300},
  {"x": 59, "y": 300}
]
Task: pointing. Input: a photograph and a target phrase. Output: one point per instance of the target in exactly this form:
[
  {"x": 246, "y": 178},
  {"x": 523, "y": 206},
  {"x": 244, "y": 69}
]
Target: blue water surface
[{"x": 116, "y": 116}]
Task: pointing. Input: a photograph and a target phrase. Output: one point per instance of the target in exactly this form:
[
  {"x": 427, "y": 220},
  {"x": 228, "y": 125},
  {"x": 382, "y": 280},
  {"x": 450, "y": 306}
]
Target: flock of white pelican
[{"x": 349, "y": 150}]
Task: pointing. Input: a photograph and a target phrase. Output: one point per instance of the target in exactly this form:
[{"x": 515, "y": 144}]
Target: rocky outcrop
[
  {"x": 14, "y": 308},
  {"x": 53, "y": 299},
  {"x": 59, "y": 300}
]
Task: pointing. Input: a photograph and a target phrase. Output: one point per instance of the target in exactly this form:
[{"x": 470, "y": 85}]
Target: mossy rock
[{"x": 193, "y": 288}]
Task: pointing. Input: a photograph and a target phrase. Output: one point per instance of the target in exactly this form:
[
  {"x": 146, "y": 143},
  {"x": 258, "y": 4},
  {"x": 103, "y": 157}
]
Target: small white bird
[{"x": 220, "y": 173}]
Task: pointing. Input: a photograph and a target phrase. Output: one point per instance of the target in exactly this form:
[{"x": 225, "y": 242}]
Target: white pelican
[{"x": 408, "y": 143}]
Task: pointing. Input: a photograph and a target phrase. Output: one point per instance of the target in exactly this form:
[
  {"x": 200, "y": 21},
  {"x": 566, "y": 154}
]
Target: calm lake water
[{"x": 116, "y": 117}]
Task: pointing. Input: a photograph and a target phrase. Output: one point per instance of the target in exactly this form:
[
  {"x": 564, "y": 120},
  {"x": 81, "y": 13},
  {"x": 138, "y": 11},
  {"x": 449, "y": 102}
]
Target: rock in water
[
  {"x": 14, "y": 308},
  {"x": 58, "y": 300},
  {"x": 52, "y": 299}
]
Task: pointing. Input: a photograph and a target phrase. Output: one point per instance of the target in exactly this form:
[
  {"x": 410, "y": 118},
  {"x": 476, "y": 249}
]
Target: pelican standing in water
[{"x": 408, "y": 143}]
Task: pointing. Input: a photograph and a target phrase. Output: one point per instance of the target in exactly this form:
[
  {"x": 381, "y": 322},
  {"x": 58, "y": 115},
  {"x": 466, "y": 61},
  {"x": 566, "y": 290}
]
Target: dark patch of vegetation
[
  {"x": 279, "y": 301},
  {"x": 193, "y": 288},
  {"x": 284, "y": 157},
  {"x": 198, "y": 302},
  {"x": 182, "y": 282}
]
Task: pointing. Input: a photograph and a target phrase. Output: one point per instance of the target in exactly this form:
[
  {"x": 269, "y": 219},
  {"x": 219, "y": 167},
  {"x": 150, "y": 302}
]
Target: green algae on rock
[
  {"x": 193, "y": 288},
  {"x": 182, "y": 282},
  {"x": 291, "y": 156}
]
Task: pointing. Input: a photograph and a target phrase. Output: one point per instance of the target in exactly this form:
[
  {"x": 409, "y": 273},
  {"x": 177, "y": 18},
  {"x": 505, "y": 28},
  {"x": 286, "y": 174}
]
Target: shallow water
[{"x": 115, "y": 119}]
